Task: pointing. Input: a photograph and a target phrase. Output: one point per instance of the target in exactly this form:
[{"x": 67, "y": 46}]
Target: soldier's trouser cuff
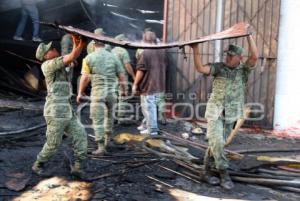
[{"x": 215, "y": 131}]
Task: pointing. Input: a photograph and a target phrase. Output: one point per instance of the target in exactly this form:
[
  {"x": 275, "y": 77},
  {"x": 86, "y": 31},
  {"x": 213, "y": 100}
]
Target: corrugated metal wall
[{"x": 189, "y": 19}]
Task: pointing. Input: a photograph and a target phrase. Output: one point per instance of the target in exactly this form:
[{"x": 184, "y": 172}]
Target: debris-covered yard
[
  {"x": 128, "y": 172},
  {"x": 168, "y": 165}
]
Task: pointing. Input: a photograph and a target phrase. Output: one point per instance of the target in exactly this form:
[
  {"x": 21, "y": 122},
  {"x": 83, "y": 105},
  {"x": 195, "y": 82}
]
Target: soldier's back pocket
[{"x": 61, "y": 110}]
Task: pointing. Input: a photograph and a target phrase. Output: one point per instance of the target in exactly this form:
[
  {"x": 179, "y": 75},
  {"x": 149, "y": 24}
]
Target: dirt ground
[{"x": 126, "y": 172}]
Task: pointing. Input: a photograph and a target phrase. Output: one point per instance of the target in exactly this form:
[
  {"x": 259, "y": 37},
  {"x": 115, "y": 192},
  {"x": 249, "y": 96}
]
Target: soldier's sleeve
[
  {"x": 126, "y": 57},
  {"x": 85, "y": 67},
  {"x": 119, "y": 67},
  {"x": 90, "y": 48},
  {"x": 53, "y": 65},
  {"x": 247, "y": 70},
  {"x": 214, "y": 68},
  {"x": 138, "y": 53}
]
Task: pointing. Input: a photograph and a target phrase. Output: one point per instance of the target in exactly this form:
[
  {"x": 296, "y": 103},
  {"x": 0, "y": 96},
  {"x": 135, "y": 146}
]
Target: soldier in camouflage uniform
[
  {"x": 225, "y": 105},
  {"x": 123, "y": 55},
  {"x": 90, "y": 47},
  {"x": 101, "y": 68},
  {"x": 58, "y": 111}
]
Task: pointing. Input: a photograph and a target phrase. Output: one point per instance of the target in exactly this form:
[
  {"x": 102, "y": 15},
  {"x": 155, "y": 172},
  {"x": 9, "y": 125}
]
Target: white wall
[{"x": 287, "y": 98}]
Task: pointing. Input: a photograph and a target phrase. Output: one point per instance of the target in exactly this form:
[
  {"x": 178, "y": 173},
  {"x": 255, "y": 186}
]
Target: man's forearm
[
  {"x": 197, "y": 61},
  {"x": 252, "y": 50},
  {"x": 138, "y": 77},
  {"x": 129, "y": 69},
  {"x": 122, "y": 83},
  {"x": 69, "y": 58},
  {"x": 84, "y": 80}
]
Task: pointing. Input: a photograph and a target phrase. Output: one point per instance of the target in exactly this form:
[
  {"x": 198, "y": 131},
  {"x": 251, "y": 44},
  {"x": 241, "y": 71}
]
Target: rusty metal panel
[{"x": 189, "y": 19}]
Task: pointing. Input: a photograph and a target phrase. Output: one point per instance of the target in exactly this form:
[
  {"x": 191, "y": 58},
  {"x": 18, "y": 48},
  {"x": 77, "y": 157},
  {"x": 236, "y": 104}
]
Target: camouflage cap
[
  {"x": 120, "y": 37},
  {"x": 234, "y": 50},
  {"x": 42, "y": 50},
  {"x": 99, "y": 31}
]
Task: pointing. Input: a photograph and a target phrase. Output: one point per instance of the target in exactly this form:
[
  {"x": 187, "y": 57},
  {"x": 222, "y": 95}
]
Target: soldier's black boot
[
  {"x": 226, "y": 182},
  {"x": 208, "y": 174},
  {"x": 38, "y": 168},
  {"x": 100, "y": 148},
  {"x": 78, "y": 169}
]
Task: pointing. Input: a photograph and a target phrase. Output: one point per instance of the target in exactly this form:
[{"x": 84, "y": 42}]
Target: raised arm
[
  {"x": 84, "y": 80},
  {"x": 78, "y": 45},
  {"x": 197, "y": 61},
  {"x": 253, "y": 52}
]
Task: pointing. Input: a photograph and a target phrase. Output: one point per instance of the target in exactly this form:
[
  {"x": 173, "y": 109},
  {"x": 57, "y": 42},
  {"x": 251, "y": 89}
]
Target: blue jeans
[
  {"x": 149, "y": 110},
  {"x": 32, "y": 11}
]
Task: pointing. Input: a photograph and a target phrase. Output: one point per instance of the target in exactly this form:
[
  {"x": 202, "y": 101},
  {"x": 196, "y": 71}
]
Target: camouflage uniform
[
  {"x": 224, "y": 108},
  {"x": 90, "y": 47},
  {"x": 104, "y": 68},
  {"x": 123, "y": 55},
  {"x": 58, "y": 113}
]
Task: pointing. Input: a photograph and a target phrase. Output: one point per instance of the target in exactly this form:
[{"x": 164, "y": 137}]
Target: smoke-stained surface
[{"x": 130, "y": 17}]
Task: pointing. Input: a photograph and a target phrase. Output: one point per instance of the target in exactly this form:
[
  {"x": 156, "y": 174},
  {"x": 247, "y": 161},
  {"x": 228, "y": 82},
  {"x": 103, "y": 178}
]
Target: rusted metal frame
[
  {"x": 194, "y": 18},
  {"x": 268, "y": 69},
  {"x": 197, "y": 34},
  {"x": 181, "y": 60},
  {"x": 263, "y": 63},
  {"x": 189, "y": 58},
  {"x": 230, "y": 8},
  {"x": 202, "y": 47},
  {"x": 267, "y": 64},
  {"x": 252, "y": 18},
  {"x": 165, "y": 21},
  {"x": 237, "y": 18},
  {"x": 258, "y": 10},
  {"x": 184, "y": 38},
  {"x": 186, "y": 28},
  {"x": 171, "y": 60},
  {"x": 244, "y": 19}
]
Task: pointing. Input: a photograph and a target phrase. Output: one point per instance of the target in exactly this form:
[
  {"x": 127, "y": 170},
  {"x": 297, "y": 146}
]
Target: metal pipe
[
  {"x": 165, "y": 31},
  {"x": 219, "y": 20}
]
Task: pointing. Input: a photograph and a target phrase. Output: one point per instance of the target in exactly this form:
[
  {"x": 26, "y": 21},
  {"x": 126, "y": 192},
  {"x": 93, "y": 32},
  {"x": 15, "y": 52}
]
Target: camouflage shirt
[
  {"x": 104, "y": 68},
  {"x": 138, "y": 54},
  {"x": 90, "y": 47},
  {"x": 59, "y": 89},
  {"x": 123, "y": 55},
  {"x": 228, "y": 91}
]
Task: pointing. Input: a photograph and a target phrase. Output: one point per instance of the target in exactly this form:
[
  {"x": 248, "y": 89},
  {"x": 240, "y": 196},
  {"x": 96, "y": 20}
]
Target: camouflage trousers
[
  {"x": 55, "y": 131},
  {"x": 161, "y": 103},
  {"x": 217, "y": 134},
  {"x": 122, "y": 108},
  {"x": 102, "y": 115}
]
